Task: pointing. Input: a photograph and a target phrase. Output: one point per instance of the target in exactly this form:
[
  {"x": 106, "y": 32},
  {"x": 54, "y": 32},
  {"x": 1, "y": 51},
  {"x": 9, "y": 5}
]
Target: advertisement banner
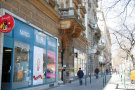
[
  {"x": 51, "y": 69},
  {"x": 38, "y": 66},
  {"x": 51, "y": 55}
]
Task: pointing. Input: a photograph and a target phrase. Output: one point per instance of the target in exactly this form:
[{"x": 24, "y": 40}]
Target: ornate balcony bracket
[
  {"x": 73, "y": 28},
  {"x": 70, "y": 29},
  {"x": 77, "y": 2},
  {"x": 83, "y": 9},
  {"x": 70, "y": 24}
]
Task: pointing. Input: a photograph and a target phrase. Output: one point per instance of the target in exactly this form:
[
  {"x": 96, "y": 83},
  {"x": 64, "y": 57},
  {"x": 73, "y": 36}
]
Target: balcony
[
  {"x": 71, "y": 24},
  {"x": 70, "y": 13}
]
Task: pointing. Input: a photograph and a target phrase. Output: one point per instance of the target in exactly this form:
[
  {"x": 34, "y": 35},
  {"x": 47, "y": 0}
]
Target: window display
[
  {"x": 44, "y": 66},
  {"x": 21, "y": 65},
  {"x": 38, "y": 66},
  {"x": 51, "y": 59}
]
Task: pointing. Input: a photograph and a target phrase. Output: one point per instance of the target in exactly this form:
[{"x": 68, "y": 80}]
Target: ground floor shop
[
  {"x": 79, "y": 61},
  {"x": 28, "y": 56}
]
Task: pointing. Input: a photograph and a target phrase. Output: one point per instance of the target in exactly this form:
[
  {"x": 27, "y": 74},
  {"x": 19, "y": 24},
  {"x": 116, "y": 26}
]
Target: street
[{"x": 112, "y": 83}]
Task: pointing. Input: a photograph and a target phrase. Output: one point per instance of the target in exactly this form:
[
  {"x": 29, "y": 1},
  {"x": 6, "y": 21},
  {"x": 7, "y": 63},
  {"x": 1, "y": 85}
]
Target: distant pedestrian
[
  {"x": 96, "y": 72},
  {"x": 80, "y": 75},
  {"x": 107, "y": 71}
]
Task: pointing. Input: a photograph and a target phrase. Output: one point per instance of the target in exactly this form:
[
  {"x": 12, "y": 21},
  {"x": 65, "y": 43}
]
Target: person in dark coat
[
  {"x": 96, "y": 72},
  {"x": 80, "y": 75}
]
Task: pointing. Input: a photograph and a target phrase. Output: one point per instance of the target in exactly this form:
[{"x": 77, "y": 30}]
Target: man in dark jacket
[
  {"x": 80, "y": 75},
  {"x": 96, "y": 72}
]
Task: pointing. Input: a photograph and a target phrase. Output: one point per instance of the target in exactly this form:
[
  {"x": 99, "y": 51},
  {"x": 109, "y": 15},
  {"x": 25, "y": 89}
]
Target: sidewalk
[
  {"x": 96, "y": 84},
  {"x": 112, "y": 83},
  {"x": 116, "y": 83}
]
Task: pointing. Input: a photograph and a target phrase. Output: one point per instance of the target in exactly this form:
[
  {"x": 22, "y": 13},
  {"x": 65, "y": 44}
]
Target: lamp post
[
  {"x": 101, "y": 47},
  {"x": 86, "y": 67}
]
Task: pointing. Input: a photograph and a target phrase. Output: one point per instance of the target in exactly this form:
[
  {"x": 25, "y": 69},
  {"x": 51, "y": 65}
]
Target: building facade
[
  {"x": 105, "y": 41},
  {"x": 73, "y": 39},
  {"x": 46, "y": 45},
  {"x": 93, "y": 35}
]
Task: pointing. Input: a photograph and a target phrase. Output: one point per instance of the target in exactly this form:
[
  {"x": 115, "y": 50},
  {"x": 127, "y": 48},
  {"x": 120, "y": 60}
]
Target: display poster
[
  {"x": 51, "y": 69},
  {"x": 38, "y": 66},
  {"x": 51, "y": 59},
  {"x": 51, "y": 55}
]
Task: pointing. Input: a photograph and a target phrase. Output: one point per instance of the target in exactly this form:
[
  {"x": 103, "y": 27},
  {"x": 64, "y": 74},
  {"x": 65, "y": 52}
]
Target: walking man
[
  {"x": 96, "y": 72},
  {"x": 80, "y": 75}
]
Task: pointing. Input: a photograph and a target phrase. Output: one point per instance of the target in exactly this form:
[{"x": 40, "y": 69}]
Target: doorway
[{"x": 6, "y": 67}]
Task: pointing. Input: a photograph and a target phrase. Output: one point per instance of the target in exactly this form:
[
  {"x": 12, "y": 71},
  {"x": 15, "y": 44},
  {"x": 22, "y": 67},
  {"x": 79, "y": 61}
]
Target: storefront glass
[
  {"x": 21, "y": 74},
  {"x": 51, "y": 59},
  {"x": 39, "y": 62}
]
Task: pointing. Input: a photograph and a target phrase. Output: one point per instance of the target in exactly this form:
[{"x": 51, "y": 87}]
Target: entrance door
[{"x": 6, "y": 67}]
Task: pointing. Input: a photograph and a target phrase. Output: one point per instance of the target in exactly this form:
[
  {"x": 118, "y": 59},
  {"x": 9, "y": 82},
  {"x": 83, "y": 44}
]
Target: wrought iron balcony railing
[{"x": 71, "y": 13}]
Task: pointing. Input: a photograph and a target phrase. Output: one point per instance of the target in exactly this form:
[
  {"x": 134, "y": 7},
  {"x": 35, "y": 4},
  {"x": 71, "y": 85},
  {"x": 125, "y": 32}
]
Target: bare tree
[
  {"x": 123, "y": 8},
  {"x": 125, "y": 38}
]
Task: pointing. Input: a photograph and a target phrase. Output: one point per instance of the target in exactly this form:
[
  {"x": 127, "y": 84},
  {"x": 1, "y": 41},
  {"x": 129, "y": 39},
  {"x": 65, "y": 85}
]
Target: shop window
[
  {"x": 51, "y": 59},
  {"x": 38, "y": 73},
  {"x": 44, "y": 66},
  {"x": 39, "y": 59},
  {"x": 21, "y": 72}
]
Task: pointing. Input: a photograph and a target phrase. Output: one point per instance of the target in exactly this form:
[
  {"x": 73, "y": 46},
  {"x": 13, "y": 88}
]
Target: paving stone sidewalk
[
  {"x": 113, "y": 82},
  {"x": 117, "y": 83}
]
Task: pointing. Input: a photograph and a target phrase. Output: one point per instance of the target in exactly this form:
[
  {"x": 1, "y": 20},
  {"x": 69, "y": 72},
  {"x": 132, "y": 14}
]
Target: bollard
[
  {"x": 90, "y": 78},
  {"x": 85, "y": 80},
  {"x": 121, "y": 78},
  {"x": 124, "y": 80},
  {"x": 105, "y": 78},
  {"x": 103, "y": 81}
]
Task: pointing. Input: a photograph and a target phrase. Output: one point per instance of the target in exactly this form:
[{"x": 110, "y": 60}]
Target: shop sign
[
  {"x": 40, "y": 38},
  {"x": 6, "y": 23}
]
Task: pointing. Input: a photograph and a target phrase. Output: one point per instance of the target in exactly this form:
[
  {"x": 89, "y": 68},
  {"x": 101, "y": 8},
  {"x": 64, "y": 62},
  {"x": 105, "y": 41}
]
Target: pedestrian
[
  {"x": 96, "y": 72},
  {"x": 80, "y": 75},
  {"x": 107, "y": 71}
]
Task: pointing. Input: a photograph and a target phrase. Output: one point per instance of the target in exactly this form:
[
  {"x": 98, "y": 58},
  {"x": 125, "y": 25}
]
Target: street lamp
[{"x": 101, "y": 47}]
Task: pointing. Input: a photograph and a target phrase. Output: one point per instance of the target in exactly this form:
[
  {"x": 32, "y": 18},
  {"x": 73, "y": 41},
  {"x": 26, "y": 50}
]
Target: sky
[{"x": 115, "y": 20}]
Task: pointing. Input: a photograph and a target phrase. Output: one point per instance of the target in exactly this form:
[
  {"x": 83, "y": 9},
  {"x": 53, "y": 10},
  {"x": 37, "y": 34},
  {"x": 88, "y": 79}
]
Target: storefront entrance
[
  {"x": 29, "y": 57},
  {"x": 6, "y": 67}
]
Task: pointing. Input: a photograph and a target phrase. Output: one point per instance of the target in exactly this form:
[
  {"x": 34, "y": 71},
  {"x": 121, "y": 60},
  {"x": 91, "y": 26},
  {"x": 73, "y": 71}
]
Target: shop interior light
[{"x": 8, "y": 50}]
